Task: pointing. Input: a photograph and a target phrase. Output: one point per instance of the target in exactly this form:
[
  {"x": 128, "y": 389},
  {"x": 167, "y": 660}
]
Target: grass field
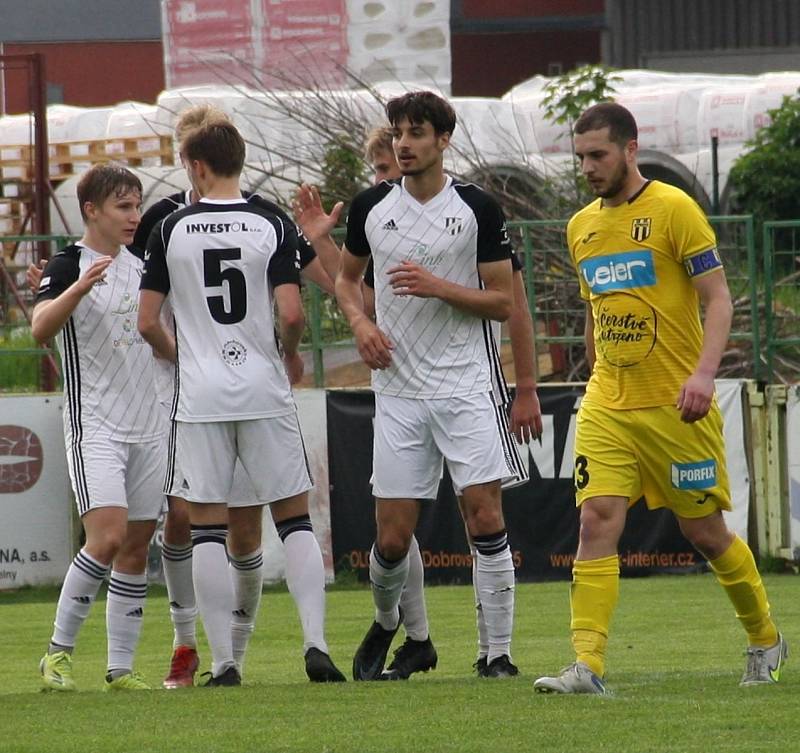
[{"x": 675, "y": 662}]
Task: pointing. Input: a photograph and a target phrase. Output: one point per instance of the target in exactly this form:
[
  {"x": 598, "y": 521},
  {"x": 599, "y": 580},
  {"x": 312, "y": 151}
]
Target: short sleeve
[
  {"x": 584, "y": 287},
  {"x": 516, "y": 264},
  {"x": 356, "y": 238},
  {"x": 156, "y": 274},
  {"x": 493, "y": 241},
  {"x": 61, "y": 271},
  {"x": 305, "y": 249},
  {"x": 284, "y": 266},
  {"x": 693, "y": 239}
]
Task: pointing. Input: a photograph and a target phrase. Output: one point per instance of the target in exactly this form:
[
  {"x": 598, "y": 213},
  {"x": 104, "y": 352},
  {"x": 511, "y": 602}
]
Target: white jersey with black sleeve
[
  {"x": 106, "y": 365},
  {"x": 219, "y": 261},
  {"x": 439, "y": 351}
]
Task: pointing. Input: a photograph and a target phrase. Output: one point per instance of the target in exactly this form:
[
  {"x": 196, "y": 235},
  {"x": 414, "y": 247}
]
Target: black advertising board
[{"x": 541, "y": 516}]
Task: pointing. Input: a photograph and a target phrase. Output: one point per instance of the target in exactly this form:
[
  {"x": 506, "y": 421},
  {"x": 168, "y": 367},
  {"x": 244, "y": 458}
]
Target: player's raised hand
[
  {"x": 409, "y": 278},
  {"x": 94, "y": 274},
  {"x": 374, "y": 346},
  {"x": 526, "y": 416},
  {"x": 294, "y": 367},
  {"x": 310, "y": 215},
  {"x": 33, "y": 275},
  {"x": 694, "y": 400}
]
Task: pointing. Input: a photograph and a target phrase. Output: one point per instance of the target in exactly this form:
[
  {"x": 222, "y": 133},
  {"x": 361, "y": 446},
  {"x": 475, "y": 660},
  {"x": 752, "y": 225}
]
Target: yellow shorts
[{"x": 650, "y": 451}]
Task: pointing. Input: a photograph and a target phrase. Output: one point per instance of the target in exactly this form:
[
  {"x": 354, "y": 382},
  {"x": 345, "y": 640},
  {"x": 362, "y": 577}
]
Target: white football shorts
[
  {"x": 202, "y": 460},
  {"x": 107, "y": 473},
  {"x": 413, "y": 437}
]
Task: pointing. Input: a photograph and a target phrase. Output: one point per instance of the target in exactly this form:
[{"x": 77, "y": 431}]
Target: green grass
[{"x": 674, "y": 664}]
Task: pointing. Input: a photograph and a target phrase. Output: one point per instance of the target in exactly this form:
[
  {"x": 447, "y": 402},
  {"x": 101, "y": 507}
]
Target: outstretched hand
[
  {"x": 310, "y": 215},
  {"x": 94, "y": 274}
]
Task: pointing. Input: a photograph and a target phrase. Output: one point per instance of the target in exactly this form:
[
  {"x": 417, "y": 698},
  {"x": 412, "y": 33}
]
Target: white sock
[
  {"x": 214, "y": 592},
  {"x": 78, "y": 593},
  {"x": 247, "y": 577},
  {"x": 124, "y": 613},
  {"x": 305, "y": 577},
  {"x": 483, "y": 636},
  {"x": 387, "y": 579},
  {"x": 495, "y": 586},
  {"x": 177, "y": 562},
  {"x": 412, "y": 597}
]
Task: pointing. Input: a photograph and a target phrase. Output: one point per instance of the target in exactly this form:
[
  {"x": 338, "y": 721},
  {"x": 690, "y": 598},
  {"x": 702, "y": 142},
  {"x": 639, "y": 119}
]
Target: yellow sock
[
  {"x": 737, "y": 573},
  {"x": 593, "y": 596}
]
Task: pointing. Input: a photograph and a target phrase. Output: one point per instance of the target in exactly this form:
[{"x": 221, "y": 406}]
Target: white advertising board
[{"x": 35, "y": 498}]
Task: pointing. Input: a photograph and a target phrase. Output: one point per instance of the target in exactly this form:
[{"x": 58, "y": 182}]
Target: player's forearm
[
  {"x": 159, "y": 339},
  {"x": 716, "y": 329},
  {"x": 484, "y": 304},
  {"x": 328, "y": 253},
  {"x": 350, "y": 299},
  {"x": 50, "y": 316},
  {"x": 318, "y": 275},
  {"x": 291, "y": 332},
  {"x": 521, "y": 333}
]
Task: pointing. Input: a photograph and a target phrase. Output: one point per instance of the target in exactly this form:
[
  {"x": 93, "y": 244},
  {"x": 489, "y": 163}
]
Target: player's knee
[
  {"x": 177, "y": 527},
  {"x": 485, "y": 519},
  {"x": 598, "y": 523},
  {"x": 393, "y": 544},
  {"x": 710, "y": 541},
  {"x": 106, "y": 544}
]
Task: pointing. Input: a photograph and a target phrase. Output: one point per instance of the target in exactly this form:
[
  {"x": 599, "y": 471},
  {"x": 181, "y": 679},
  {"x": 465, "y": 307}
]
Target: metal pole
[{"x": 714, "y": 174}]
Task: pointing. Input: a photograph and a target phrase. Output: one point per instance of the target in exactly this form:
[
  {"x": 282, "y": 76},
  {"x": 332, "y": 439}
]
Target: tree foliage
[{"x": 766, "y": 180}]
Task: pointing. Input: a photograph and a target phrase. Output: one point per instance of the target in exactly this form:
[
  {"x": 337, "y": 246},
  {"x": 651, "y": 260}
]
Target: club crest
[
  {"x": 452, "y": 225},
  {"x": 640, "y": 229}
]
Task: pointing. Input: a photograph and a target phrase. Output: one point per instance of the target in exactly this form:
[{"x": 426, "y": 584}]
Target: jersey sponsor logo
[
  {"x": 128, "y": 304},
  {"x": 627, "y": 269},
  {"x": 220, "y": 227},
  {"x": 391, "y": 225},
  {"x": 640, "y": 229},
  {"x": 453, "y": 225},
  {"x": 589, "y": 237},
  {"x": 699, "y": 475},
  {"x": 626, "y": 329},
  {"x": 702, "y": 263},
  {"x": 234, "y": 353}
]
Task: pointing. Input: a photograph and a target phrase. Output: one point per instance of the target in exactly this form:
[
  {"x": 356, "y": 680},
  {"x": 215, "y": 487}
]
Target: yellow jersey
[{"x": 635, "y": 263}]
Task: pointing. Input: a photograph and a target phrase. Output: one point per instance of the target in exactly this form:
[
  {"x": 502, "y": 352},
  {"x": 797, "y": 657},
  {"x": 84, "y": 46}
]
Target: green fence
[
  {"x": 781, "y": 244},
  {"x": 765, "y": 339}
]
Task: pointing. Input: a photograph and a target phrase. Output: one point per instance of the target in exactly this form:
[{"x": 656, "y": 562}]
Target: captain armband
[{"x": 703, "y": 262}]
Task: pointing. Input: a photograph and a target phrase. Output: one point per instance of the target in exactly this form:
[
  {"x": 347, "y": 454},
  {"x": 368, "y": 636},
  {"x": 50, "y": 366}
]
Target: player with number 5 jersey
[{"x": 226, "y": 265}]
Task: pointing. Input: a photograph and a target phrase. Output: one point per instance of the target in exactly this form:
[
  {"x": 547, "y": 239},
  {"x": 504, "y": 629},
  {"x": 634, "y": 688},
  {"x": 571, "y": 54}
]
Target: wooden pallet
[{"x": 69, "y": 158}]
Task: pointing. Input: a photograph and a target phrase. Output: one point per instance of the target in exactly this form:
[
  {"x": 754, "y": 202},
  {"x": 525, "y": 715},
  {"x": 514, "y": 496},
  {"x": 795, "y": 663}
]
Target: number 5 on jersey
[{"x": 214, "y": 277}]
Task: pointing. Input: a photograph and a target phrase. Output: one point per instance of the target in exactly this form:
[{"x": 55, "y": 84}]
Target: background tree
[{"x": 766, "y": 180}]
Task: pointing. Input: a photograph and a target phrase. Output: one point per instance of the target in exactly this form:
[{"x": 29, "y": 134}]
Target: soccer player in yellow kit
[{"x": 649, "y": 424}]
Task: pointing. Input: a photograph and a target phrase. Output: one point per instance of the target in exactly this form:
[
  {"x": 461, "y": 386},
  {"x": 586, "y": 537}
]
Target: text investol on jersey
[
  {"x": 219, "y": 262},
  {"x": 438, "y": 350},
  {"x": 635, "y": 264},
  {"x": 107, "y": 366}
]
